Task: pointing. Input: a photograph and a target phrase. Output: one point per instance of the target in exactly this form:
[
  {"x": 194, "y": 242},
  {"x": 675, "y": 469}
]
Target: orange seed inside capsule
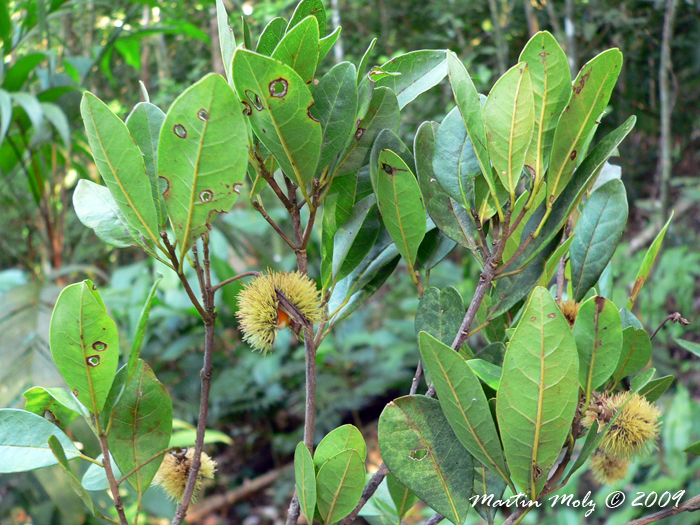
[{"x": 283, "y": 319}]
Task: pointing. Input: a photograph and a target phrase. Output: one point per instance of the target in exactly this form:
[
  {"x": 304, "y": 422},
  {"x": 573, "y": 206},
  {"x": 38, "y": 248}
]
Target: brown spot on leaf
[
  {"x": 637, "y": 287},
  {"x": 552, "y": 315},
  {"x": 93, "y": 360},
  {"x": 235, "y": 187},
  {"x": 247, "y": 110},
  {"x": 359, "y": 133},
  {"x": 167, "y": 184},
  {"x": 533, "y": 318},
  {"x": 308, "y": 112},
  {"x": 75, "y": 392},
  {"x": 278, "y": 87},
  {"x": 254, "y": 99},
  {"x": 203, "y": 115},
  {"x": 99, "y": 346},
  {"x": 581, "y": 83},
  {"x": 573, "y": 155},
  {"x": 180, "y": 131},
  {"x": 599, "y": 303},
  {"x": 206, "y": 195}
]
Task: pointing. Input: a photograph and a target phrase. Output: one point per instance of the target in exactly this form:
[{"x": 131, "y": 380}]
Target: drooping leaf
[
  {"x": 635, "y": 354},
  {"x": 345, "y": 437},
  {"x": 647, "y": 263},
  {"x": 354, "y": 238},
  {"x": 5, "y": 113},
  {"x": 690, "y": 346},
  {"x": 591, "y": 92},
  {"x": 487, "y": 482},
  {"x": 598, "y": 230},
  {"x": 121, "y": 164},
  {"x": 278, "y": 102},
  {"x": 419, "y": 71},
  {"x": 227, "y": 40},
  {"x": 339, "y": 485},
  {"x": 509, "y": 116},
  {"x": 422, "y": 451},
  {"x": 55, "y": 115},
  {"x": 401, "y": 495},
  {"x": 463, "y": 402},
  {"x": 598, "y": 334},
  {"x": 23, "y": 441},
  {"x": 84, "y": 344},
  {"x": 271, "y": 35},
  {"x": 655, "y": 388},
  {"x": 202, "y": 155},
  {"x": 141, "y": 330},
  {"x": 56, "y": 404},
  {"x": 440, "y": 313},
  {"x": 305, "y": 476},
  {"x": 141, "y": 426},
  {"x": 434, "y": 247},
  {"x": 299, "y": 48},
  {"x": 326, "y": 43},
  {"x": 304, "y": 9},
  {"x": 538, "y": 392}
]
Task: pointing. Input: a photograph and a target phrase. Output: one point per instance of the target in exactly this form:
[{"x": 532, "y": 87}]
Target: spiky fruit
[
  {"x": 175, "y": 469},
  {"x": 570, "y": 310},
  {"x": 608, "y": 469}
]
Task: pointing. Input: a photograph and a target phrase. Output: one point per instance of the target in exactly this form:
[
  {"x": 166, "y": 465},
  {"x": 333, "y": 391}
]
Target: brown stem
[
  {"x": 674, "y": 317},
  {"x": 135, "y": 469},
  {"x": 434, "y": 520},
  {"x": 258, "y": 206},
  {"x": 310, "y": 411},
  {"x": 369, "y": 491},
  {"x": 692, "y": 505},
  {"x": 113, "y": 485},
  {"x": 517, "y": 254},
  {"x": 235, "y": 278},
  {"x": 270, "y": 179},
  {"x": 560, "y": 278}
]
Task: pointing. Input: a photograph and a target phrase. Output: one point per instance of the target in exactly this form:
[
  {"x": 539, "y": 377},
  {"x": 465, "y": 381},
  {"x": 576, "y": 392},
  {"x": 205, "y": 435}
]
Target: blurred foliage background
[{"x": 52, "y": 50}]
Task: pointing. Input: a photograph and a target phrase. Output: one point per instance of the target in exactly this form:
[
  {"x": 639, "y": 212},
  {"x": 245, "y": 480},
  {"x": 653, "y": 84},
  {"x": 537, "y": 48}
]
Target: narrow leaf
[
  {"x": 227, "y": 40},
  {"x": 635, "y": 354},
  {"x": 299, "y": 48},
  {"x": 305, "y": 476},
  {"x": 647, "y": 263}
]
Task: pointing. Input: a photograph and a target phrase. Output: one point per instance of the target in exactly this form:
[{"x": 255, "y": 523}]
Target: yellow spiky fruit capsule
[
  {"x": 608, "y": 469},
  {"x": 175, "y": 469},
  {"x": 635, "y": 428},
  {"x": 261, "y": 313},
  {"x": 570, "y": 310}
]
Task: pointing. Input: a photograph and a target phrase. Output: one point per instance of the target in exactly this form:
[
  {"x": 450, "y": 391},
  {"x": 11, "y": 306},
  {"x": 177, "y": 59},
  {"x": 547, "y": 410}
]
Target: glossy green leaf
[
  {"x": 84, "y": 344},
  {"x": 335, "y": 106},
  {"x": 509, "y": 116},
  {"x": 141, "y": 330},
  {"x": 346, "y": 437},
  {"x": 121, "y": 164},
  {"x": 144, "y": 123},
  {"x": 440, "y": 313},
  {"x": 339, "y": 485},
  {"x": 305, "y": 476},
  {"x": 635, "y": 354},
  {"x": 23, "y": 445},
  {"x": 364, "y": 60},
  {"x": 227, "y": 41},
  {"x": 591, "y": 92},
  {"x": 56, "y": 404},
  {"x": 326, "y": 43},
  {"x": 354, "y": 238},
  {"x": 489, "y": 373},
  {"x": 434, "y": 248},
  {"x": 551, "y": 88},
  {"x": 389, "y": 140},
  {"x": 690, "y": 346},
  {"x": 271, "y": 36},
  {"x": 487, "y": 482},
  {"x": 469, "y": 103},
  {"x": 421, "y": 450},
  {"x": 141, "y": 426},
  {"x": 598, "y": 231},
  {"x": 97, "y": 209},
  {"x": 655, "y": 388},
  {"x": 202, "y": 155},
  {"x": 419, "y": 71},
  {"x": 400, "y": 203},
  {"x": 299, "y": 48},
  {"x": 383, "y": 113},
  {"x": 647, "y": 263},
  {"x": 538, "y": 393},
  {"x": 455, "y": 164},
  {"x": 598, "y": 334},
  {"x": 277, "y": 101},
  {"x": 95, "y": 477},
  {"x": 463, "y": 401},
  {"x": 449, "y": 216},
  {"x": 401, "y": 495},
  {"x": 307, "y": 8}
]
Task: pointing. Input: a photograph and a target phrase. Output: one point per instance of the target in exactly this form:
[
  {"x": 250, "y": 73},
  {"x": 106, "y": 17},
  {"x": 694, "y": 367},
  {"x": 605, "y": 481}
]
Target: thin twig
[
  {"x": 113, "y": 486},
  {"x": 434, "y": 520},
  {"x": 560, "y": 278},
  {"x": 138, "y": 467},
  {"x": 692, "y": 505},
  {"x": 517, "y": 254},
  {"x": 258, "y": 206},
  {"x": 235, "y": 278},
  {"x": 674, "y": 317}
]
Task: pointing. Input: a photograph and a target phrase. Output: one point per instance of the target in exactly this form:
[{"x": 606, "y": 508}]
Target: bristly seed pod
[
  {"x": 608, "y": 469},
  {"x": 570, "y": 310},
  {"x": 275, "y": 301},
  {"x": 175, "y": 469}
]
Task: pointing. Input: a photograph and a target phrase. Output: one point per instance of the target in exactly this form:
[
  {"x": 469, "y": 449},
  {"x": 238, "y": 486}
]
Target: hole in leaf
[
  {"x": 308, "y": 112},
  {"x": 278, "y": 87},
  {"x": 94, "y": 287},
  {"x": 418, "y": 454},
  {"x": 235, "y": 187},
  {"x": 203, "y": 115},
  {"x": 206, "y": 195},
  {"x": 247, "y": 110},
  {"x": 359, "y": 133},
  {"x": 99, "y": 346},
  {"x": 254, "y": 99},
  {"x": 93, "y": 360},
  {"x": 180, "y": 131},
  {"x": 387, "y": 168}
]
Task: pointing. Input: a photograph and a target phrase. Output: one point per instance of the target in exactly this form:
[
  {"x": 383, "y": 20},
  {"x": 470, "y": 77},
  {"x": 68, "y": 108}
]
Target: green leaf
[
  {"x": 17, "y": 75},
  {"x": 5, "y": 113},
  {"x": 141, "y": 330},
  {"x": 346, "y": 437},
  {"x": 515, "y": 238},
  {"x": 464, "y": 404},
  {"x": 227, "y": 40},
  {"x": 598, "y": 334},
  {"x": 421, "y": 450},
  {"x": 635, "y": 354},
  {"x": 339, "y": 485},
  {"x": 95, "y": 477},
  {"x": 299, "y": 48},
  {"x": 84, "y": 344},
  {"x": 141, "y": 426},
  {"x": 23, "y": 444},
  {"x": 326, "y": 43},
  {"x": 335, "y": 106},
  {"x": 487, "y": 482},
  {"x": 5, "y": 29},
  {"x": 655, "y": 388},
  {"x": 693, "y": 449},
  {"x": 121, "y": 164},
  {"x": 305, "y": 481},
  {"x": 489, "y": 373},
  {"x": 97, "y": 209},
  {"x": 551, "y": 88},
  {"x": 538, "y": 393},
  {"x": 60, "y": 404},
  {"x": 188, "y": 437},
  {"x": 434, "y": 248},
  {"x": 202, "y": 155},
  {"x": 419, "y": 71},
  {"x": 364, "y": 60},
  {"x": 469, "y": 104},
  {"x": 598, "y": 231},
  {"x": 383, "y": 113},
  {"x": 509, "y": 116},
  {"x": 247, "y": 41},
  {"x": 454, "y": 162},
  {"x": 277, "y": 101},
  {"x": 552, "y": 263},
  {"x": 440, "y": 313},
  {"x": 271, "y": 35},
  {"x": 400, "y": 203},
  {"x": 693, "y": 348},
  {"x": 354, "y": 238},
  {"x": 58, "y": 119},
  {"x": 309, "y": 7},
  {"x": 591, "y": 92},
  {"x": 402, "y": 496},
  {"x": 144, "y": 123},
  {"x": 647, "y": 263}
]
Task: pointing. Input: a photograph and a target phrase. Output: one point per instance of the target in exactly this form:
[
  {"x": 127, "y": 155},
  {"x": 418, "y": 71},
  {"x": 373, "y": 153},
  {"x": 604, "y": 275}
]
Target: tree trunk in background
[
  {"x": 146, "y": 49},
  {"x": 162, "y": 57},
  {"x": 338, "y": 53},
  {"x": 665, "y": 96},
  {"x": 216, "y": 59},
  {"x": 570, "y": 30},
  {"x": 554, "y": 21},
  {"x": 532, "y": 25},
  {"x": 499, "y": 40}
]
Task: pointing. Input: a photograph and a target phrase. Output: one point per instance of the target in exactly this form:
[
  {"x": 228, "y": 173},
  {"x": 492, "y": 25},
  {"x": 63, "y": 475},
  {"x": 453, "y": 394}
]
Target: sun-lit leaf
[
  {"x": 271, "y": 35},
  {"x": 307, "y": 8},
  {"x": 227, "y": 40},
  {"x": 345, "y": 437},
  {"x": 419, "y": 71},
  {"x": 647, "y": 263},
  {"x": 299, "y": 48},
  {"x": 339, "y": 485}
]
